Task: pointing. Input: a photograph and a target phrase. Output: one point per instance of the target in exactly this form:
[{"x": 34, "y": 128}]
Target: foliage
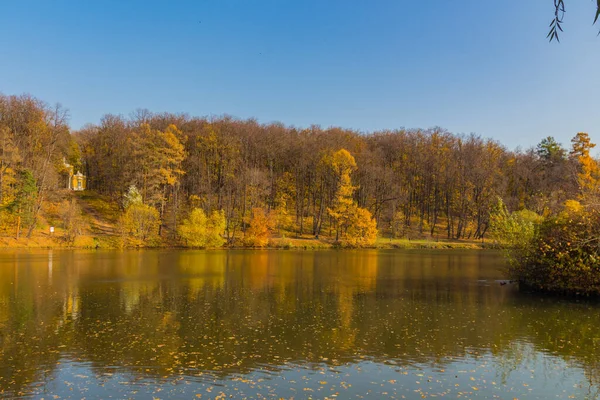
[
  {"x": 361, "y": 229},
  {"x": 157, "y": 157},
  {"x": 399, "y": 225},
  {"x": 139, "y": 225},
  {"x": 9, "y": 159},
  {"x": 312, "y": 180},
  {"x": 201, "y": 231},
  {"x": 588, "y": 174},
  {"x": 515, "y": 229},
  {"x": 74, "y": 156},
  {"x": 343, "y": 164},
  {"x": 132, "y": 197},
  {"x": 564, "y": 256},
  {"x": 73, "y": 221},
  {"x": 22, "y": 206},
  {"x": 550, "y": 150},
  {"x": 284, "y": 200},
  {"x": 260, "y": 227},
  {"x": 559, "y": 13},
  {"x": 355, "y": 226},
  {"x": 445, "y": 183},
  {"x": 33, "y": 137}
]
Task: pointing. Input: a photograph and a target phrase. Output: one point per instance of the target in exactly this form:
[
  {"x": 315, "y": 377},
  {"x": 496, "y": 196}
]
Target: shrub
[
  {"x": 260, "y": 227},
  {"x": 139, "y": 225},
  {"x": 201, "y": 231},
  {"x": 564, "y": 255},
  {"x": 361, "y": 230},
  {"x": 73, "y": 221}
]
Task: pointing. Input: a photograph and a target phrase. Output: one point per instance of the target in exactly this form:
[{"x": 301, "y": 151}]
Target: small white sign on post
[{"x": 51, "y": 230}]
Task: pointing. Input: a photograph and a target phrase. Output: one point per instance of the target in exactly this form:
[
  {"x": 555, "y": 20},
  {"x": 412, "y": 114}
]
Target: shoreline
[{"x": 111, "y": 243}]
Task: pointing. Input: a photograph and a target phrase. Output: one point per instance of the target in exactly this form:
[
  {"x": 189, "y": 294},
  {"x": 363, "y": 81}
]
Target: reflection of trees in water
[{"x": 167, "y": 313}]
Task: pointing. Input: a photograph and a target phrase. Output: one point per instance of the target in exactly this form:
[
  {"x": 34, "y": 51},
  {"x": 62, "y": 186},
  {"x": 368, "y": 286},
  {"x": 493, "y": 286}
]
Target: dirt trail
[{"x": 99, "y": 223}]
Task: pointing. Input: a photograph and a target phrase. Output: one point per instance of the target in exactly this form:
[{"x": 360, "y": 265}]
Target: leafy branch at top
[{"x": 559, "y": 13}]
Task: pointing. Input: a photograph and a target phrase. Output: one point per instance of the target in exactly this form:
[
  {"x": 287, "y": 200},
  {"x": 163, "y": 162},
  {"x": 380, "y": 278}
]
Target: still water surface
[{"x": 286, "y": 324}]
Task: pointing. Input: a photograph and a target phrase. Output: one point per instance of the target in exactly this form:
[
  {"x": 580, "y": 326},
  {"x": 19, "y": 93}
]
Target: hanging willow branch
[
  {"x": 559, "y": 14},
  {"x": 555, "y": 25}
]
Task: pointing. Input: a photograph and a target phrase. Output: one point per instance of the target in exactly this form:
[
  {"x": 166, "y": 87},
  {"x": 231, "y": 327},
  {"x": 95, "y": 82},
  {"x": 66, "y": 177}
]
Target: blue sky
[{"x": 468, "y": 66}]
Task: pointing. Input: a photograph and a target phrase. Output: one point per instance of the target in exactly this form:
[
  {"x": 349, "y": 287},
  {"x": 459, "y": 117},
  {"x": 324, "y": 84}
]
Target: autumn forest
[{"x": 206, "y": 182}]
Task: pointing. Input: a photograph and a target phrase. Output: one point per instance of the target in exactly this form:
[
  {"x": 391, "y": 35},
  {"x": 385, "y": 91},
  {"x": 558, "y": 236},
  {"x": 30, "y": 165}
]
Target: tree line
[{"x": 273, "y": 179}]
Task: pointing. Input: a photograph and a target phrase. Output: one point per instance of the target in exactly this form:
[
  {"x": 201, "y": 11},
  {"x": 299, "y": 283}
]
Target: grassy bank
[
  {"x": 46, "y": 241},
  {"x": 387, "y": 243}
]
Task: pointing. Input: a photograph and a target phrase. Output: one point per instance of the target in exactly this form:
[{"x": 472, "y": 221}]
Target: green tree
[
  {"x": 25, "y": 200},
  {"x": 550, "y": 150},
  {"x": 515, "y": 230}
]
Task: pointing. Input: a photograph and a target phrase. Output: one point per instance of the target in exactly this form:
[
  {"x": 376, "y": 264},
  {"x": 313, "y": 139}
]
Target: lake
[{"x": 286, "y": 324}]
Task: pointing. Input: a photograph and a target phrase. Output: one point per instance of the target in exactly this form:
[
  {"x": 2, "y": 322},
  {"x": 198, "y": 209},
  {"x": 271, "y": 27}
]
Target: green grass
[
  {"x": 387, "y": 243},
  {"x": 103, "y": 207}
]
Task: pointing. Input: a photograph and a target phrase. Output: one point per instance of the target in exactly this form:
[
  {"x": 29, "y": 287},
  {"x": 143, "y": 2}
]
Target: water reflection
[{"x": 132, "y": 323}]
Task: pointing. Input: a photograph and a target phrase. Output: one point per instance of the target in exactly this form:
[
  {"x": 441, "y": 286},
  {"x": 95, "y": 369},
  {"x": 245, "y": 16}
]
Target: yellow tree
[
  {"x": 261, "y": 226},
  {"x": 354, "y": 226},
  {"x": 362, "y": 229},
  {"x": 201, "y": 231},
  {"x": 140, "y": 222},
  {"x": 588, "y": 176},
  {"x": 159, "y": 157},
  {"x": 285, "y": 200},
  {"x": 343, "y": 164}
]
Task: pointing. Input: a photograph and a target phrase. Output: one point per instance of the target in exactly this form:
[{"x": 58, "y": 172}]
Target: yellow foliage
[
  {"x": 202, "y": 231},
  {"x": 361, "y": 231},
  {"x": 72, "y": 218},
  {"x": 8, "y": 221},
  {"x": 572, "y": 206},
  {"x": 285, "y": 201},
  {"x": 588, "y": 176},
  {"x": 159, "y": 155},
  {"x": 355, "y": 227},
  {"x": 85, "y": 242},
  {"x": 399, "y": 225},
  {"x": 139, "y": 225},
  {"x": 261, "y": 226}
]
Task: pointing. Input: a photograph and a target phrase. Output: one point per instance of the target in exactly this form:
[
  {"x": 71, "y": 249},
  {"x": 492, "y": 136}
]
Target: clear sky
[{"x": 468, "y": 66}]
